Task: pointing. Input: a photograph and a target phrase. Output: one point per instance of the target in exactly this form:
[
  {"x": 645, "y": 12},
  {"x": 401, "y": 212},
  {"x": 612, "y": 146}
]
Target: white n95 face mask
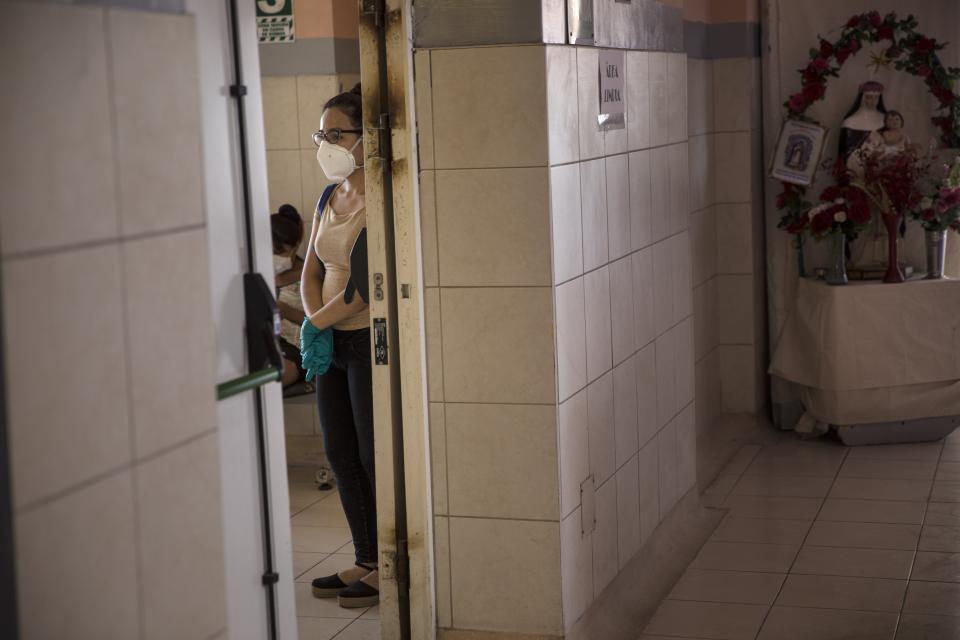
[
  {"x": 337, "y": 162},
  {"x": 282, "y": 264}
]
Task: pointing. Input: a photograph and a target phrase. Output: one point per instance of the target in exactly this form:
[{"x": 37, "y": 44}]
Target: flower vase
[
  {"x": 837, "y": 273},
  {"x": 892, "y": 222},
  {"x": 936, "y": 253}
]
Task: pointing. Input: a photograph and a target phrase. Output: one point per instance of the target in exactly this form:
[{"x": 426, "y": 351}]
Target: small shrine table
[{"x": 870, "y": 353}]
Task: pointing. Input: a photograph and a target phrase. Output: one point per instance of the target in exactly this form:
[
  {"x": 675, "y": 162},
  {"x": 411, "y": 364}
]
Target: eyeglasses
[{"x": 332, "y": 135}]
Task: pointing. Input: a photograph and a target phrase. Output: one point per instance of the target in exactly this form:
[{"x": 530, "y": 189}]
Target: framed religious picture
[{"x": 798, "y": 152}]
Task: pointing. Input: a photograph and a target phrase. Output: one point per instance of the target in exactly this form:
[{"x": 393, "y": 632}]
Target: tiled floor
[
  {"x": 321, "y": 546},
  {"x": 825, "y": 542}
]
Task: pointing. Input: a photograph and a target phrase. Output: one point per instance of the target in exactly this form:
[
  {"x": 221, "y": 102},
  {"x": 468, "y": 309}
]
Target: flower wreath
[{"x": 909, "y": 51}]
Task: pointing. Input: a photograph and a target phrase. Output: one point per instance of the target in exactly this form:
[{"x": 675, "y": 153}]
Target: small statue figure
[{"x": 865, "y": 117}]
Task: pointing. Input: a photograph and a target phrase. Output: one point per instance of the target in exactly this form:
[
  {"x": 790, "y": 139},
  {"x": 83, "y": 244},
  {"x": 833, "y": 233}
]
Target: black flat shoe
[
  {"x": 328, "y": 586},
  {"x": 359, "y": 596}
]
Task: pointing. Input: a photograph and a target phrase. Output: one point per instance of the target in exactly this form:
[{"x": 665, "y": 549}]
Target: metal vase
[
  {"x": 837, "y": 273},
  {"x": 936, "y": 253}
]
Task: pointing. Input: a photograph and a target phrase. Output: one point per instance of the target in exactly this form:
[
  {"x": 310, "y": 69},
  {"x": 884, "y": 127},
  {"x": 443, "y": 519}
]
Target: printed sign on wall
[
  {"x": 275, "y": 20},
  {"x": 612, "y": 72}
]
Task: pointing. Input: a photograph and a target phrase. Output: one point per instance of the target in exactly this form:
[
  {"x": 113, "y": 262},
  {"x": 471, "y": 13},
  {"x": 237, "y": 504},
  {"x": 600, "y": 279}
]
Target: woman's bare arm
[
  {"x": 336, "y": 310},
  {"x": 311, "y": 280}
]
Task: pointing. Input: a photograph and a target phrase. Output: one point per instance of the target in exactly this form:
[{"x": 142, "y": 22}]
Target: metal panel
[
  {"x": 637, "y": 24},
  {"x": 580, "y": 21},
  {"x": 448, "y": 23}
]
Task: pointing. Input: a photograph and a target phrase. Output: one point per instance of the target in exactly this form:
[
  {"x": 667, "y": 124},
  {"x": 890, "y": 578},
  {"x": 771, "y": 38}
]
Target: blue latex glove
[{"x": 316, "y": 349}]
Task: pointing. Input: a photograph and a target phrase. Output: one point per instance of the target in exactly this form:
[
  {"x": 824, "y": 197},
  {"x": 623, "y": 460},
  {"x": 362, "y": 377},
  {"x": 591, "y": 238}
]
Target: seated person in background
[{"x": 286, "y": 227}]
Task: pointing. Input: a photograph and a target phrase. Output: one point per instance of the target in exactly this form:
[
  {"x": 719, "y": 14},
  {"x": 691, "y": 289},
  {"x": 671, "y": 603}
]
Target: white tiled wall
[
  {"x": 625, "y": 345},
  {"x": 560, "y": 333},
  {"x": 108, "y": 334},
  {"x": 726, "y": 237}
]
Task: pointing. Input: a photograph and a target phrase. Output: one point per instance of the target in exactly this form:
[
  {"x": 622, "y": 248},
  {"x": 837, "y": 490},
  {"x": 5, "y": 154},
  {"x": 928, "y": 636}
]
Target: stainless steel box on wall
[{"x": 625, "y": 24}]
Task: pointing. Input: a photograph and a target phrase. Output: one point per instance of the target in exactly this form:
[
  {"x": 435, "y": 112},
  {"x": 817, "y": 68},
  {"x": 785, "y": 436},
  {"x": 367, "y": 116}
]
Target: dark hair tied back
[
  {"x": 286, "y": 227},
  {"x": 350, "y": 103}
]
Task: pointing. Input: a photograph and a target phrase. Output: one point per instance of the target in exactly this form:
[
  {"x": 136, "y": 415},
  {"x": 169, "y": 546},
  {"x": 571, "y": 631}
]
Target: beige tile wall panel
[
  {"x": 588, "y": 90},
  {"x": 284, "y": 179},
  {"x": 428, "y": 228},
  {"x": 312, "y": 93},
  {"x": 157, "y": 122},
  {"x": 424, "y": 105},
  {"x": 167, "y": 304},
  {"x": 625, "y": 412},
  {"x": 735, "y": 325},
  {"x": 735, "y": 240},
  {"x": 737, "y": 375},
  {"x": 562, "y": 105},
  {"x": 507, "y": 81},
  {"x": 576, "y": 568},
  {"x": 667, "y": 456},
  {"x": 483, "y": 552},
  {"x": 638, "y": 100},
  {"x": 649, "y": 468},
  {"x": 618, "y": 206},
  {"x": 438, "y": 458},
  {"x": 700, "y": 97},
  {"x": 701, "y": 159},
  {"x": 605, "y": 560},
  {"x": 677, "y": 96},
  {"x": 622, "y": 310},
  {"x": 434, "y": 343},
  {"x": 596, "y": 286},
  {"x": 600, "y": 429},
  {"x": 498, "y": 345},
  {"x": 57, "y": 165},
  {"x": 181, "y": 542},
  {"x": 491, "y": 227},
  {"x": 643, "y": 297},
  {"x": 441, "y": 545},
  {"x": 280, "y": 126},
  {"x": 574, "y": 450},
  {"x": 736, "y": 88},
  {"x": 63, "y": 318},
  {"x": 628, "y": 511},
  {"x": 494, "y": 449},
  {"x": 77, "y": 564},
  {"x": 641, "y": 200},
  {"x": 566, "y": 223},
  {"x": 733, "y": 176},
  {"x": 571, "y": 347},
  {"x": 647, "y": 421},
  {"x": 703, "y": 245},
  {"x": 593, "y": 198}
]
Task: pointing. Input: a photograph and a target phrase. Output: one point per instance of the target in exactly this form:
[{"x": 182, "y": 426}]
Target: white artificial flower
[
  {"x": 840, "y": 216},
  {"x": 839, "y": 201}
]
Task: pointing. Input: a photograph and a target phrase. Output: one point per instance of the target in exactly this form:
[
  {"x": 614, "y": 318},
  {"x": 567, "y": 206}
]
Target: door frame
[{"x": 405, "y": 516}]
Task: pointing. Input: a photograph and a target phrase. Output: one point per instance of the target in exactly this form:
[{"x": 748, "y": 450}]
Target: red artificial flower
[
  {"x": 924, "y": 71},
  {"x": 831, "y": 193},
  {"x": 822, "y": 222},
  {"x": 893, "y": 52},
  {"x": 821, "y": 64},
  {"x": 929, "y": 215},
  {"x": 853, "y": 22},
  {"x": 825, "y": 48},
  {"x": 813, "y": 92},
  {"x": 885, "y": 32},
  {"x": 948, "y": 199},
  {"x": 875, "y": 19},
  {"x": 799, "y": 224},
  {"x": 842, "y": 55},
  {"x": 858, "y": 210},
  {"x": 810, "y": 75},
  {"x": 785, "y": 195},
  {"x": 854, "y": 45},
  {"x": 924, "y": 45},
  {"x": 797, "y": 103}
]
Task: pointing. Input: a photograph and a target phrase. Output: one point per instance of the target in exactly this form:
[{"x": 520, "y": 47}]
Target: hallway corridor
[{"x": 826, "y": 542}]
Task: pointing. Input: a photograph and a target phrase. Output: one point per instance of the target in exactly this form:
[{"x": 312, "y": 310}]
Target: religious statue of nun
[{"x": 865, "y": 117}]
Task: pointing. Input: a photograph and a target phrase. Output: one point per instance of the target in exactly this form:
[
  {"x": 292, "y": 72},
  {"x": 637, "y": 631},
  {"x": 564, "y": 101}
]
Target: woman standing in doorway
[{"x": 345, "y": 391}]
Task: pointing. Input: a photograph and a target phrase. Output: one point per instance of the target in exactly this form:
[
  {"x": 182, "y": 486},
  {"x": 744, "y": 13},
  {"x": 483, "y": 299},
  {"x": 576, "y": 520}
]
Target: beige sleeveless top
[{"x": 336, "y": 236}]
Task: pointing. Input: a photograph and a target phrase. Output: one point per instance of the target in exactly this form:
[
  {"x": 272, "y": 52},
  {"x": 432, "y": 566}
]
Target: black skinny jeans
[{"x": 345, "y": 404}]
